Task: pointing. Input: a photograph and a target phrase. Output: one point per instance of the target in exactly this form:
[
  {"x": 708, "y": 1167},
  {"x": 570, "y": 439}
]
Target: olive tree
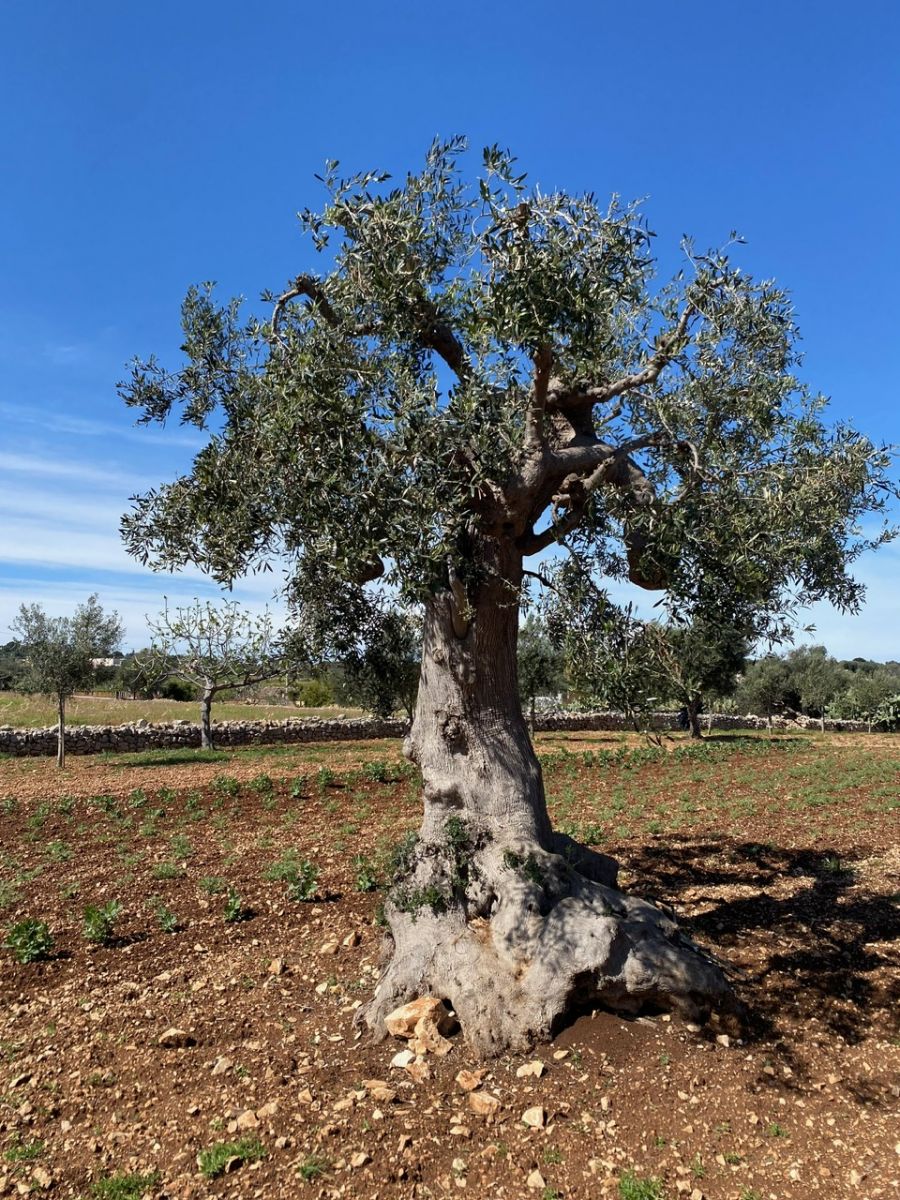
[
  {"x": 478, "y": 371},
  {"x": 381, "y": 671},
  {"x": 213, "y": 648},
  {"x": 539, "y": 662},
  {"x": 59, "y": 653}
]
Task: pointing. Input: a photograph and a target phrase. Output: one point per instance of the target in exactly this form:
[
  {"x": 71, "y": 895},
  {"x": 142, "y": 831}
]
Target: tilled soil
[{"x": 131, "y": 1059}]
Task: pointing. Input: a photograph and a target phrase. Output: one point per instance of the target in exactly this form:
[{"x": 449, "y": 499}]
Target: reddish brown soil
[{"x": 797, "y": 896}]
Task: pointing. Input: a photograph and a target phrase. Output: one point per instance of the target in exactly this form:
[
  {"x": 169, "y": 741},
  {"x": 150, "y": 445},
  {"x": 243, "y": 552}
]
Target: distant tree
[
  {"x": 868, "y": 697},
  {"x": 698, "y": 659},
  {"x": 381, "y": 673},
  {"x": 611, "y": 657},
  {"x": 142, "y": 674},
  {"x": 59, "y": 653},
  {"x": 12, "y": 665},
  {"x": 540, "y": 664},
  {"x": 816, "y": 677},
  {"x": 215, "y": 648},
  {"x": 767, "y": 687}
]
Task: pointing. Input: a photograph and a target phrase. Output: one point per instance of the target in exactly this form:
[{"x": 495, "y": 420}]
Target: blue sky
[{"x": 147, "y": 147}]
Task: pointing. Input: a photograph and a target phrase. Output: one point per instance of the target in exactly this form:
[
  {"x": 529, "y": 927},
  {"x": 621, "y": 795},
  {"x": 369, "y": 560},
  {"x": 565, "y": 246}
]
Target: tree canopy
[{"x": 486, "y": 358}]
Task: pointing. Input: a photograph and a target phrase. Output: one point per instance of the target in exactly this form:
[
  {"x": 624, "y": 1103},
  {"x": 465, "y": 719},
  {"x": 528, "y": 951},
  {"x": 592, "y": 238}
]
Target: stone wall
[{"x": 142, "y": 735}]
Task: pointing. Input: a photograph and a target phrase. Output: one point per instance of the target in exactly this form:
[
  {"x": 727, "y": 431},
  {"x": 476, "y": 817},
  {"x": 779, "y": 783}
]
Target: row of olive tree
[{"x": 810, "y": 681}]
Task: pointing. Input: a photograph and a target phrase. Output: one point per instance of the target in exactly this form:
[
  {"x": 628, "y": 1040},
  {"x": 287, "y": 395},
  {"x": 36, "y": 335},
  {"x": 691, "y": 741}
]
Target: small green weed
[
  {"x": 366, "y": 873},
  {"x": 24, "y": 1152},
  {"x": 632, "y": 1187},
  {"x": 29, "y": 940},
  {"x": 234, "y": 910},
  {"x": 299, "y": 875},
  {"x": 312, "y": 1167},
  {"x": 99, "y": 921},
  {"x": 123, "y": 1187},
  {"x": 212, "y": 1161}
]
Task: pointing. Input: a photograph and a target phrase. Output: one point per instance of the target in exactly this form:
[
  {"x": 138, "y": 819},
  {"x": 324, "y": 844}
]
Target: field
[
  {"x": 39, "y": 712},
  {"x": 781, "y": 855}
]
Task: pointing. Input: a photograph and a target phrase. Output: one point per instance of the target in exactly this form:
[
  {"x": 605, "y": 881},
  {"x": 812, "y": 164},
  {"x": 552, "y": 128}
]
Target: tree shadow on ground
[{"x": 813, "y": 950}]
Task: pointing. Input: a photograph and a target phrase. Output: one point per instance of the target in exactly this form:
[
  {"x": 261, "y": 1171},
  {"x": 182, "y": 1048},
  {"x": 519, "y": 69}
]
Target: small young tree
[
  {"x": 59, "y": 653},
  {"x": 481, "y": 371},
  {"x": 214, "y": 648},
  {"x": 540, "y": 664}
]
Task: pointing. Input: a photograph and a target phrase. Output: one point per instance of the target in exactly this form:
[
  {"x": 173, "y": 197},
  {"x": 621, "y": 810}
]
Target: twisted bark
[{"x": 510, "y": 923}]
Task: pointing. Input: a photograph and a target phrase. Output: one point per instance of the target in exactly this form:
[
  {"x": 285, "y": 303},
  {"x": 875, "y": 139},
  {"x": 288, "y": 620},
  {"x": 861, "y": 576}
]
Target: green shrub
[
  {"x": 313, "y": 693},
  {"x": 99, "y": 921},
  {"x": 29, "y": 940}
]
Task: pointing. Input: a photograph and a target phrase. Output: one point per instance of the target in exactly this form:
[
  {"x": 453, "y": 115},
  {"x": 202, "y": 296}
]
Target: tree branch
[
  {"x": 434, "y": 332},
  {"x": 534, "y": 417},
  {"x": 669, "y": 345}
]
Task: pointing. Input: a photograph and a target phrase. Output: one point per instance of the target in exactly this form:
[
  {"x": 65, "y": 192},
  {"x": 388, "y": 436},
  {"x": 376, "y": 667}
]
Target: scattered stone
[
  {"x": 535, "y": 1117},
  {"x": 535, "y": 1068},
  {"x": 559, "y": 1055},
  {"x": 352, "y": 939},
  {"x": 403, "y": 1021},
  {"x": 222, "y": 1065},
  {"x": 418, "y": 1071},
  {"x": 329, "y": 948},
  {"x": 469, "y": 1080},
  {"x": 247, "y": 1120},
  {"x": 428, "y": 1039},
  {"x": 402, "y": 1060},
  {"x": 535, "y": 1181},
  {"x": 359, "y": 1160},
  {"x": 484, "y": 1104},
  {"x": 276, "y": 966},
  {"x": 176, "y": 1039},
  {"x": 723, "y": 1039},
  {"x": 42, "y": 1177}
]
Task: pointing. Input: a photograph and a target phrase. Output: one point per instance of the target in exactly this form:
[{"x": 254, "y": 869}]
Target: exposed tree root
[{"x": 525, "y": 939}]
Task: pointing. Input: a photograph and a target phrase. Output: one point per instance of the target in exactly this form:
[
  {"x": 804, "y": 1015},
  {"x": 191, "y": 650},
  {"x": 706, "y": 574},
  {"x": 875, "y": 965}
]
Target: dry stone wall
[{"x": 175, "y": 735}]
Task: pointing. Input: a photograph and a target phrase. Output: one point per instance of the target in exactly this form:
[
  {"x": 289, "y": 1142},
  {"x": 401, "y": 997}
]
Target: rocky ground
[{"x": 186, "y": 1055}]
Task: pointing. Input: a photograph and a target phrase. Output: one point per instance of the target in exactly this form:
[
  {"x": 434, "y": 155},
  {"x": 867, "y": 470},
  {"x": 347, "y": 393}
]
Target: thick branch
[
  {"x": 534, "y": 418},
  {"x": 669, "y": 346}
]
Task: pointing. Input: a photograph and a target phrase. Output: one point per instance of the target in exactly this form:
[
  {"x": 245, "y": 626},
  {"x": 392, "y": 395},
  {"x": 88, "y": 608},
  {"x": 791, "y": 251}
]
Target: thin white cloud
[
  {"x": 55, "y": 468},
  {"x": 58, "y": 422}
]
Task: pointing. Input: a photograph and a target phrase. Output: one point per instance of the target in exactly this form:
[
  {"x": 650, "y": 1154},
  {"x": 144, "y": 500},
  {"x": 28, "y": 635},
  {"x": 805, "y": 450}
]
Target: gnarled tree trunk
[{"x": 511, "y": 924}]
